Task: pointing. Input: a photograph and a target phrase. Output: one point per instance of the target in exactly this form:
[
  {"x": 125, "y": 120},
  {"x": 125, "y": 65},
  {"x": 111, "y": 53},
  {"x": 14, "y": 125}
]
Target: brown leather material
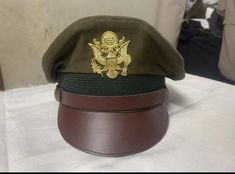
[
  {"x": 110, "y": 103},
  {"x": 113, "y": 133}
]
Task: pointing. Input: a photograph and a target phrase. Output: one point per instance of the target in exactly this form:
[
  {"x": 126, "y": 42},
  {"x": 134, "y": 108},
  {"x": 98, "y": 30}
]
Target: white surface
[{"x": 201, "y": 134}]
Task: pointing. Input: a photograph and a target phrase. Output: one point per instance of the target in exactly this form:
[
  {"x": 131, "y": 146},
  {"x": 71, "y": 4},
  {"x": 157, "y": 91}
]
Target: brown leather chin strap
[{"x": 111, "y": 103}]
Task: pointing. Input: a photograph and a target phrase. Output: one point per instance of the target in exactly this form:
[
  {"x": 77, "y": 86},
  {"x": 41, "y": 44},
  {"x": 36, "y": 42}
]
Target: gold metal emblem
[{"x": 110, "y": 55}]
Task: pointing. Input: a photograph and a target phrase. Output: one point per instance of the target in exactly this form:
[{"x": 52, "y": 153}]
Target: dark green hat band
[{"x": 93, "y": 84}]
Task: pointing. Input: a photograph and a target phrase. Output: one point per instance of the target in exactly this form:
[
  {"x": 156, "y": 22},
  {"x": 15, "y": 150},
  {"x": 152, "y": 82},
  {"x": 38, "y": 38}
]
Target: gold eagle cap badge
[{"x": 110, "y": 55}]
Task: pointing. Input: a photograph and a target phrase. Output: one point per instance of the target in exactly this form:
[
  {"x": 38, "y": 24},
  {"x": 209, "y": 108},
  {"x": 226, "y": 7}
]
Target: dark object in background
[
  {"x": 1, "y": 81},
  {"x": 216, "y": 24},
  {"x": 190, "y": 30},
  {"x": 198, "y": 10},
  {"x": 200, "y": 50}
]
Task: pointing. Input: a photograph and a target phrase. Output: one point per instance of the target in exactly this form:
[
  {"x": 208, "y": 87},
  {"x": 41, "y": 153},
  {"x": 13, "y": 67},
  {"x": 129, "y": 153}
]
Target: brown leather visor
[{"x": 112, "y": 125}]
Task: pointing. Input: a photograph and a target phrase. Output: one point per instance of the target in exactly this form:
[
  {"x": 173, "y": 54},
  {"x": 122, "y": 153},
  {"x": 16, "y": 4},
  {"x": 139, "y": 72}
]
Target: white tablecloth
[{"x": 201, "y": 135}]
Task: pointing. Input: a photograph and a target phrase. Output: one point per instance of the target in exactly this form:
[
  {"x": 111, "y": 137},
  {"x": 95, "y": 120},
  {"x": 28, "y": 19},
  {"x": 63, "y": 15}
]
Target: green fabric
[
  {"x": 150, "y": 52},
  {"x": 91, "y": 84}
]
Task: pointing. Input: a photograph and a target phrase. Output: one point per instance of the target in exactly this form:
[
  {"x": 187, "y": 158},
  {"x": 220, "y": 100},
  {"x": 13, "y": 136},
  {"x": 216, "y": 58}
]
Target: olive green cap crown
[{"x": 150, "y": 53}]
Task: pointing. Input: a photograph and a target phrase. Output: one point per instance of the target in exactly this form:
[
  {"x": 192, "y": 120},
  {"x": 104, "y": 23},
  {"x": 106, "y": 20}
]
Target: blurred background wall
[{"x": 29, "y": 26}]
